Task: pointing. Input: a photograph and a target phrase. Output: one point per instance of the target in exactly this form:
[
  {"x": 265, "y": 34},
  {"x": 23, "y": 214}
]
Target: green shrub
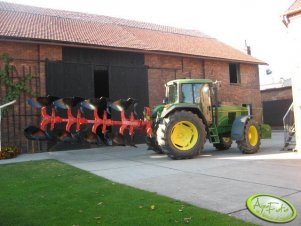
[{"x": 9, "y": 152}]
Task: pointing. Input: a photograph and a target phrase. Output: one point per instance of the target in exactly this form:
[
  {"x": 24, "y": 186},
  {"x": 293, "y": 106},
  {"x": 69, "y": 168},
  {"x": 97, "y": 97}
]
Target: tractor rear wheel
[
  {"x": 225, "y": 143},
  {"x": 251, "y": 142},
  {"x": 181, "y": 135}
]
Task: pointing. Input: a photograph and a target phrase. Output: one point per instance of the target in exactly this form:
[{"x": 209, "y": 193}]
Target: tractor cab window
[
  {"x": 171, "y": 94},
  {"x": 187, "y": 93},
  {"x": 196, "y": 92},
  {"x": 191, "y": 93}
]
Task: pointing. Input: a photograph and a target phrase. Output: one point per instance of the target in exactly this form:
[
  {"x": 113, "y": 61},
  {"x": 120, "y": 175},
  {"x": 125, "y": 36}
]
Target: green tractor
[{"x": 191, "y": 114}]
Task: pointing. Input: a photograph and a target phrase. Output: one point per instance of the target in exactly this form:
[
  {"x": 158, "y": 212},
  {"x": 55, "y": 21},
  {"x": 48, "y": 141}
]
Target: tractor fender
[{"x": 238, "y": 126}]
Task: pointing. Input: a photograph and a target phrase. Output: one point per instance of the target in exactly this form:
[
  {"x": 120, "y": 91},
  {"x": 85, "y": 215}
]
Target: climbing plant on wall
[{"x": 13, "y": 87}]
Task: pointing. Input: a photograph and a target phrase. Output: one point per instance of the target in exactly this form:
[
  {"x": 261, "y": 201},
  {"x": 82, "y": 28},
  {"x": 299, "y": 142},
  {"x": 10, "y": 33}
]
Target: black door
[
  {"x": 101, "y": 82},
  {"x": 274, "y": 111},
  {"x": 89, "y": 81},
  {"x": 69, "y": 79},
  {"x": 129, "y": 82}
]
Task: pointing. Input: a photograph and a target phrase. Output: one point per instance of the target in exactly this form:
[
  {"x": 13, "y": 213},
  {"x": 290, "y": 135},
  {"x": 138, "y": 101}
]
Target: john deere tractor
[{"x": 191, "y": 114}]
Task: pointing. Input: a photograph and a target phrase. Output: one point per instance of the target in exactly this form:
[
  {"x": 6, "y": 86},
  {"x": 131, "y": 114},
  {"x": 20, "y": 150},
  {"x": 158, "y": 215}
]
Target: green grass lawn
[{"x": 52, "y": 193}]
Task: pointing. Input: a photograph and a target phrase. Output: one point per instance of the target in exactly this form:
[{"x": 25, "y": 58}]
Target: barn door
[
  {"x": 129, "y": 82},
  {"x": 69, "y": 79}
]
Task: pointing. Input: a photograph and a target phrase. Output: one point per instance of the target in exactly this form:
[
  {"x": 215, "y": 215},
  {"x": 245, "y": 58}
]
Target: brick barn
[{"x": 79, "y": 54}]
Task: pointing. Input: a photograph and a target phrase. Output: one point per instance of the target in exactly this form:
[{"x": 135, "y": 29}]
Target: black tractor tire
[
  {"x": 251, "y": 142},
  {"x": 181, "y": 135},
  {"x": 153, "y": 145},
  {"x": 225, "y": 143}
]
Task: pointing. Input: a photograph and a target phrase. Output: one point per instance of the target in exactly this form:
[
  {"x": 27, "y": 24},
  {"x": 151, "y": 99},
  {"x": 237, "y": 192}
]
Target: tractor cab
[{"x": 197, "y": 92}]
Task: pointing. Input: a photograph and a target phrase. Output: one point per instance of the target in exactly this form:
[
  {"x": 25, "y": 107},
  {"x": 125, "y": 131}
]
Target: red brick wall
[
  {"x": 31, "y": 51},
  {"x": 165, "y": 68},
  {"x": 284, "y": 93},
  {"x": 51, "y": 52},
  {"x": 28, "y": 58},
  {"x": 247, "y": 92}
]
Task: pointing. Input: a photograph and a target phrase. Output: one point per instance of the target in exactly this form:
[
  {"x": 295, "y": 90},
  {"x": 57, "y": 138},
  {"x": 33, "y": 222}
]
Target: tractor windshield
[
  {"x": 191, "y": 93},
  {"x": 172, "y": 93}
]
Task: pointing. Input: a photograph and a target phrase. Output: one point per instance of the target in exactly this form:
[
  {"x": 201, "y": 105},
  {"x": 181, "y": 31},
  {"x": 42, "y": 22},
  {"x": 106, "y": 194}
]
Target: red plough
[{"x": 101, "y": 122}]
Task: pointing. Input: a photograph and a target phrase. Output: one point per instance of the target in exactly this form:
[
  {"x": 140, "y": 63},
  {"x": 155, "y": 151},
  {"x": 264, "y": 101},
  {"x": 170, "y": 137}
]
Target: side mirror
[{"x": 165, "y": 100}]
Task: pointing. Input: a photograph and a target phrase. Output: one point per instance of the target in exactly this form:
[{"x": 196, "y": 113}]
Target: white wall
[{"x": 294, "y": 29}]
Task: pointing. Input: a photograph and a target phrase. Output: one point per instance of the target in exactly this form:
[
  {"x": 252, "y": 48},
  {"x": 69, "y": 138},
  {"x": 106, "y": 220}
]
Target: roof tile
[
  {"x": 296, "y": 6},
  {"x": 35, "y": 23}
]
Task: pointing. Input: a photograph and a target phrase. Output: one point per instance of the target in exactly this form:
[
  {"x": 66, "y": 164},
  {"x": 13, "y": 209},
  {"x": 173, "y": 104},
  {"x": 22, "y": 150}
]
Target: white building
[{"x": 292, "y": 19}]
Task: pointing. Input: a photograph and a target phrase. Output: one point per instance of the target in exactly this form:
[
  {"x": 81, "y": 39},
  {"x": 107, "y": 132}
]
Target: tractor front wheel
[
  {"x": 181, "y": 135},
  {"x": 251, "y": 142}
]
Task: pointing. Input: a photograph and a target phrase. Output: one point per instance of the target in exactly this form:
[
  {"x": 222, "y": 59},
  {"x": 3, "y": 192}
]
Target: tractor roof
[{"x": 190, "y": 81}]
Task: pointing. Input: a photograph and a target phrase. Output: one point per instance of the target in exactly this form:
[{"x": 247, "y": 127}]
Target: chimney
[{"x": 248, "y": 48}]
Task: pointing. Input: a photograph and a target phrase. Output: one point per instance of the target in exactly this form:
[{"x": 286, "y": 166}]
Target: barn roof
[
  {"x": 294, "y": 9},
  {"x": 21, "y": 22}
]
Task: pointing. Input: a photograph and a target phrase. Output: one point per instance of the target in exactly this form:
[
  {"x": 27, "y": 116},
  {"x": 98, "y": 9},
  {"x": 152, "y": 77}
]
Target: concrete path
[{"x": 220, "y": 181}]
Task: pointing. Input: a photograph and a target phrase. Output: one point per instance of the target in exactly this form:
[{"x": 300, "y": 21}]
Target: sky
[{"x": 258, "y": 22}]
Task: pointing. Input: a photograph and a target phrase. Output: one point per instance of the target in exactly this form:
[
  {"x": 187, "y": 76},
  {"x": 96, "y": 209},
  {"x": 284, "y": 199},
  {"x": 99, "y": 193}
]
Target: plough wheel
[
  {"x": 181, "y": 135},
  {"x": 251, "y": 142}
]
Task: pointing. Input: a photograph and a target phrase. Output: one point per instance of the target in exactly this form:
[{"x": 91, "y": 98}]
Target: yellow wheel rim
[
  {"x": 184, "y": 135},
  {"x": 253, "y": 135}
]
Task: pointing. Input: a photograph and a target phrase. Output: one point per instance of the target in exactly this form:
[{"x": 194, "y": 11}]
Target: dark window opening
[
  {"x": 101, "y": 84},
  {"x": 234, "y": 73}
]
